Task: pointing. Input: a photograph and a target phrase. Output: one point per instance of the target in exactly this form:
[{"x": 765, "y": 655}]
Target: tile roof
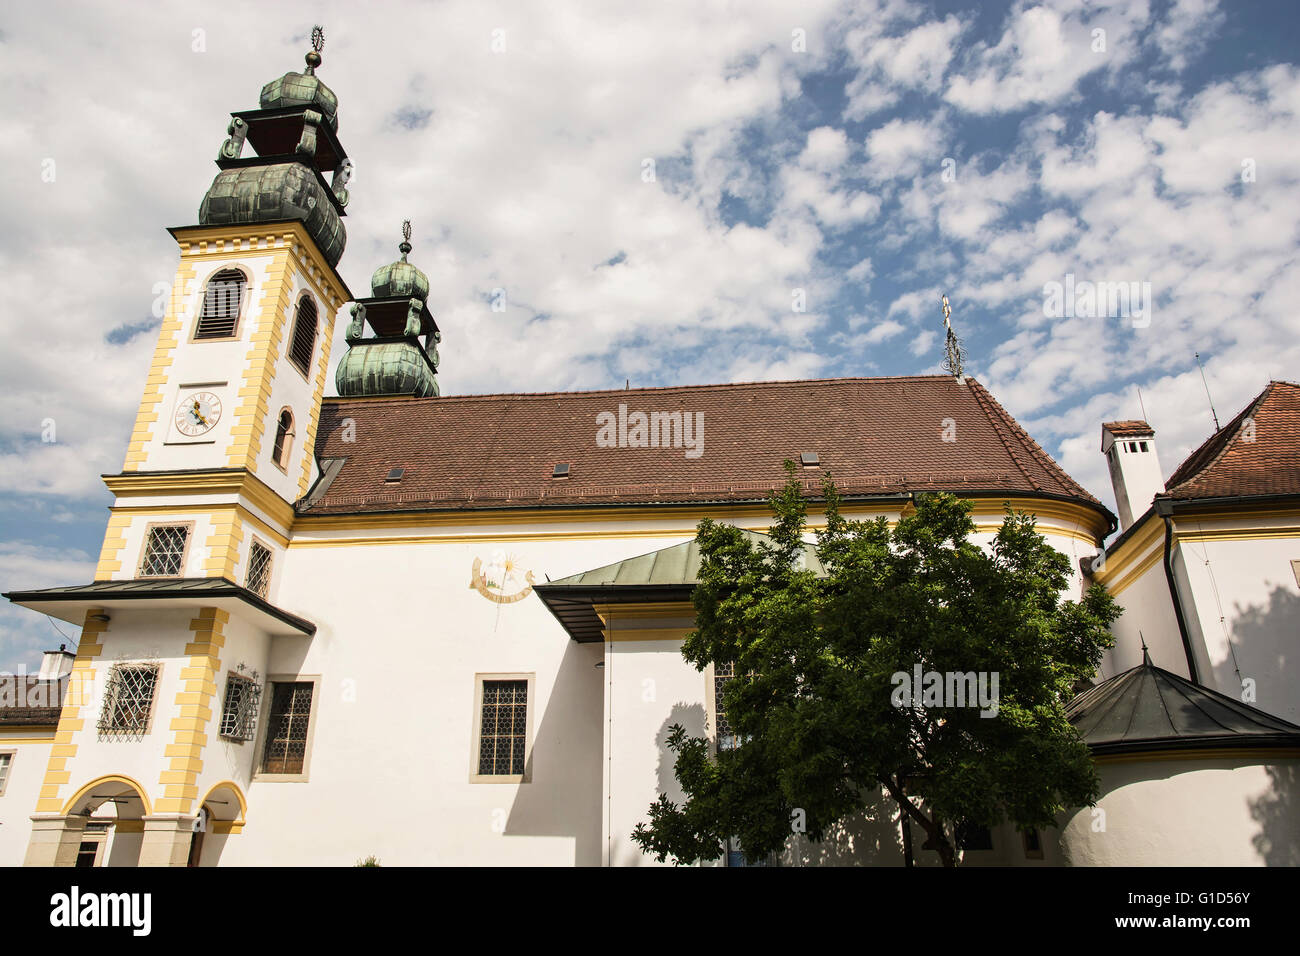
[
  {"x": 1147, "y": 708},
  {"x": 1129, "y": 428},
  {"x": 1257, "y": 453},
  {"x": 877, "y": 436},
  {"x": 29, "y": 701}
]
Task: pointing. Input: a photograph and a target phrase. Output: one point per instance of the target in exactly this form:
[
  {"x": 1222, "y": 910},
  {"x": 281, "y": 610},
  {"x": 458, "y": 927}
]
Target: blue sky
[{"x": 794, "y": 147}]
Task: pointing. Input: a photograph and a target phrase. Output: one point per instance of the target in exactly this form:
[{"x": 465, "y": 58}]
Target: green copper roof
[
  {"x": 268, "y": 193},
  {"x": 302, "y": 89},
  {"x": 676, "y": 565},
  {"x": 385, "y": 368},
  {"x": 400, "y": 278},
  {"x": 1147, "y": 709}
]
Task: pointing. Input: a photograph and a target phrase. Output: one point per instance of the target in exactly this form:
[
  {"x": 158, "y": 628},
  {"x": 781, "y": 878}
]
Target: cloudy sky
[{"x": 651, "y": 184}]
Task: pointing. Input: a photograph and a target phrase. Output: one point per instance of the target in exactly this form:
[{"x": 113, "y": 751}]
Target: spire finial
[
  {"x": 317, "y": 44},
  {"x": 954, "y": 354},
  {"x": 405, "y": 247}
]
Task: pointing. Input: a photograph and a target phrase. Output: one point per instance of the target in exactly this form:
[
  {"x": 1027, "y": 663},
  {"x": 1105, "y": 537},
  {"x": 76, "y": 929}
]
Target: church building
[{"x": 446, "y": 629}]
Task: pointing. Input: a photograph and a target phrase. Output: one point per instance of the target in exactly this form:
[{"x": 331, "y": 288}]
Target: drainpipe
[{"x": 1165, "y": 509}]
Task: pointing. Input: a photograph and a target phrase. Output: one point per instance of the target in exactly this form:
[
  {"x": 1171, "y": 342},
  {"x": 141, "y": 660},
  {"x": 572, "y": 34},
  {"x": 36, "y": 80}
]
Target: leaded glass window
[
  {"x": 286, "y": 728},
  {"x": 164, "y": 552},
  {"x": 128, "y": 700},
  {"x": 503, "y": 732},
  {"x": 239, "y": 710},
  {"x": 258, "y": 579}
]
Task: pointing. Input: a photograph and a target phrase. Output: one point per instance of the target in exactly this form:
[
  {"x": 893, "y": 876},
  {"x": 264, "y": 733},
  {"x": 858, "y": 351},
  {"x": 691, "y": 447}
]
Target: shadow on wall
[
  {"x": 1264, "y": 637},
  {"x": 1276, "y": 812},
  {"x": 691, "y": 717},
  {"x": 563, "y": 797},
  {"x": 870, "y": 838}
]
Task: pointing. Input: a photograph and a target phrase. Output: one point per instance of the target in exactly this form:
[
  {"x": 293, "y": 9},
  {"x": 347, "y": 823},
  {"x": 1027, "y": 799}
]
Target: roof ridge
[
  {"x": 998, "y": 423},
  {"x": 1228, "y": 433},
  {"x": 778, "y": 383}
]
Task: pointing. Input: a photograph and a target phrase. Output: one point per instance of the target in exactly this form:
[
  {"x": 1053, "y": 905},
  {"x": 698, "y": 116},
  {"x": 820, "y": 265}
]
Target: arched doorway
[
  {"x": 104, "y": 824},
  {"x": 220, "y": 816}
]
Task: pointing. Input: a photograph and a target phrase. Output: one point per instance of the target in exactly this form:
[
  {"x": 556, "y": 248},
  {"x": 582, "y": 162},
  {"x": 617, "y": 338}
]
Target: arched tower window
[
  {"x": 304, "y": 334},
  {"x": 283, "y": 439},
  {"x": 222, "y": 301}
]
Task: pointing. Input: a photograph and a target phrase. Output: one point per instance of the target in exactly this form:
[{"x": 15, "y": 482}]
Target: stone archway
[
  {"x": 221, "y": 814},
  {"x": 101, "y": 825}
]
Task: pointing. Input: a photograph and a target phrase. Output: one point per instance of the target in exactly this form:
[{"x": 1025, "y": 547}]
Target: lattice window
[
  {"x": 6, "y": 761},
  {"x": 304, "y": 334},
  {"x": 239, "y": 711},
  {"x": 128, "y": 701},
  {"x": 164, "y": 553},
  {"x": 258, "y": 579},
  {"x": 286, "y": 729},
  {"x": 721, "y": 674},
  {"x": 222, "y": 301},
  {"x": 503, "y": 732}
]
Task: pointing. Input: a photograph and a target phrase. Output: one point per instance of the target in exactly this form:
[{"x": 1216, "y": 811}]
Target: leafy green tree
[{"x": 817, "y": 654}]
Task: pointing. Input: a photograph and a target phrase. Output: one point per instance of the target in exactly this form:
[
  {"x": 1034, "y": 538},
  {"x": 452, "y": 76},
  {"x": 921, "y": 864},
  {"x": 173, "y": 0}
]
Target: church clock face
[{"x": 197, "y": 413}]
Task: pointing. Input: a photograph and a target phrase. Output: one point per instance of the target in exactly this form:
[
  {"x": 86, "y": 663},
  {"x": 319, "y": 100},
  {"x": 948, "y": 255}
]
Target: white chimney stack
[
  {"x": 56, "y": 664},
  {"x": 1130, "y": 450}
]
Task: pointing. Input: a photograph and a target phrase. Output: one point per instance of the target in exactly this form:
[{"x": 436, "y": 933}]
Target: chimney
[
  {"x": 1130, "y": 450},
  {"x": 56, "y": 664}
]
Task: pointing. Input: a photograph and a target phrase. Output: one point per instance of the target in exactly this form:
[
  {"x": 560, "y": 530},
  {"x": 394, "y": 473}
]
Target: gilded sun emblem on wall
[{"x": 501, "y": 579}]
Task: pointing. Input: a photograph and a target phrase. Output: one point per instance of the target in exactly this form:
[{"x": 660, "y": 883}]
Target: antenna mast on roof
[
  {"x": 1213, "y": 413},
  {"x": 954, "y": 354},
  {"x": 1141, "y": 404}
]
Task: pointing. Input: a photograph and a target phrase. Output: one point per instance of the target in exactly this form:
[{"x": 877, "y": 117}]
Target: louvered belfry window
[
  {"x": 504, "y": 729},
  {"x": 283, "y": 439},
  {"x": 165, "y": 551},
  {"x": 304, "y": 334},
  {"x": 222, "y": 302},
  {"x": 286, "y": 729}
]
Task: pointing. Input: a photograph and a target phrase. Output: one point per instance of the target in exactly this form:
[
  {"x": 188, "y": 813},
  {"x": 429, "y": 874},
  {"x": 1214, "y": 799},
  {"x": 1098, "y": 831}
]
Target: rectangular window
[
  {"x": 6, "y": 761},
  {"x": 503, "y": 728},
  {"x": 726, "y": 737},
  {"x": 239, "y": 710},
  {"x": 164, "y": 551},
  {"x": 1033, "y": 844},
  {"x": 286, "y": 727},
  {"x": 973, "y": 837},
  {"x": 258, "y": 579},
  {"x": 128, "y": 701}
]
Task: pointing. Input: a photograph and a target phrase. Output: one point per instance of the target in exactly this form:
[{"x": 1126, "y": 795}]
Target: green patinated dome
[
  {"x": 303, "y": 89},
  {"x": 385, "y": 368},
  {"x": 400, "y": 278},
  {"x": 268, "y": 193}
]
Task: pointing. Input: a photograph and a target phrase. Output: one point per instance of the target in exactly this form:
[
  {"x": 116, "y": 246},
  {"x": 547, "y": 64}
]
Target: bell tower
[{"x": 230, "y": 408}]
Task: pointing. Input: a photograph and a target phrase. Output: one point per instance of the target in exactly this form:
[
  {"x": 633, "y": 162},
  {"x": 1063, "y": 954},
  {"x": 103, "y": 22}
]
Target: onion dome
[
  {"x": 305, "y": 88},
  {"x": 400, "y": 277},
  {"x": 269, "y": 193},
  {"x": 385, "y": 368}
]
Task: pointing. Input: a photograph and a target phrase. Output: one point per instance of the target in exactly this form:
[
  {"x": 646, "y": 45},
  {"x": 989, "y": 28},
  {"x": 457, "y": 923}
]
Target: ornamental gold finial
[
  {"x": 317, "y": 44},
  {"x": 405, "y": 247}
]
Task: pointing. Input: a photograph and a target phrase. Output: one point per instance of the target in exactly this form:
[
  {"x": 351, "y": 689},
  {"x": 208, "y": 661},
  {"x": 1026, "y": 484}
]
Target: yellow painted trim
[
  {"x": 1152, "y": 530},
  {"x": 99, "y": 782},
  {"x": 243, "y": 483},
  {"x": 226, "y": 826},
  {"x": 179, "y": 780},
  {"x": 1251, "y": 534},
  {"x": 168, "y": 340},
  {"x": 508, "y": 516},
  {"x": 1123, "y": 584},
  {"x": 128, "y": 826},
  {"x": 20, "y": 741},
  {"x": 239, "y": 795},
  {"x": 304, "y": 525},
  {"x": 645, "y": 610},
  {"x": 80, "y": 683},
  {"x": 211, "y": 512},
  {"x": 263, "y": 352},
  {"x": 646, "y": 634}
]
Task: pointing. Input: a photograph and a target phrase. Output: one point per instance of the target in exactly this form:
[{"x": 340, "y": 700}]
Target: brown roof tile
[
  {"x": 1129, "y": 428},
  {"x": 875, "y": 435},
  {"x": 28, "y": 701},
  {"x": 1257, "y": 453}
]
